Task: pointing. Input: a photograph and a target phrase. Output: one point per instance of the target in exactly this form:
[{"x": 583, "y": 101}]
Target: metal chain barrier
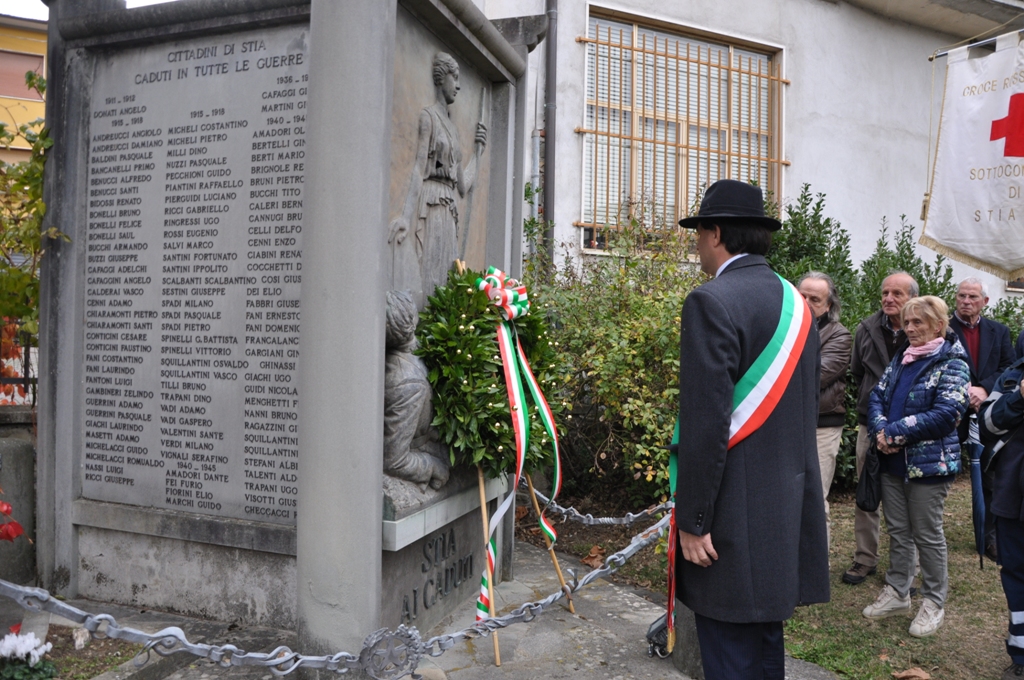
[
  {"x": 576, "y": 516},
  {"x": 385, "y": 654}
]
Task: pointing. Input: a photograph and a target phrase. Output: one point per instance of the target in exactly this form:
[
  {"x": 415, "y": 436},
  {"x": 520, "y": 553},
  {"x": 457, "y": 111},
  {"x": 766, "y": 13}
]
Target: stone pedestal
[
  {"x": 342, "y": 376},
  {"x": 434, "y": 548}
]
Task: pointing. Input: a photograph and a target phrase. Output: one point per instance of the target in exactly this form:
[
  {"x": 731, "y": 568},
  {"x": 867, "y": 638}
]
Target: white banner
[{"x": 976, "y": 210}]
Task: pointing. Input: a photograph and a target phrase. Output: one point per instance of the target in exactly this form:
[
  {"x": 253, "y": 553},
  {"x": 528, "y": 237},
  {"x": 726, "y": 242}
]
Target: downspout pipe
[
  {"x": 535, "y": 171},
  {"x": 550, "y": 113}
]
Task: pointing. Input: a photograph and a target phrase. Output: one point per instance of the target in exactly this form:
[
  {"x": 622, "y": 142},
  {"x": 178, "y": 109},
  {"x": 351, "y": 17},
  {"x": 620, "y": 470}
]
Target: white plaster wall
[{"x": 856, "y": 113}]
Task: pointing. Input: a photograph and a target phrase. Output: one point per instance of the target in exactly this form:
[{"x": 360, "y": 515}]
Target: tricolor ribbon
[
  {"x": 754, "y": 398},
  {"x": 507, "y": 294},
  {"x": 511, "y": 298},
  {"x": 483, "y": 603}
]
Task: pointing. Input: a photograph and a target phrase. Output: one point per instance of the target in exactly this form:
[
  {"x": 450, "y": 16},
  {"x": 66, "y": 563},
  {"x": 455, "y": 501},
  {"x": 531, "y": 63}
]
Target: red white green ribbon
[
  {"x": 506, "y": 293},
  {"x": 483, "y": 603},
  {"x": 548, "y": 420},
  {"x": 759, "y": 389},
  {"x": 510, "y": 296},
  {"x": 755, "y": 396}
]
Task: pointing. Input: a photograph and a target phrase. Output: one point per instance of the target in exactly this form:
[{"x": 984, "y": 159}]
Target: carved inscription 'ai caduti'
[
  {"x": 196, "y": 174},
  {"x": 445, "y": 569}
]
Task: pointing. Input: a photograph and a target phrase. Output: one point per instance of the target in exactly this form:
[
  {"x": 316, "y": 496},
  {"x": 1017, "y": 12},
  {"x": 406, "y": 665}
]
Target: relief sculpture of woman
[{"x": 438, "y": 180}]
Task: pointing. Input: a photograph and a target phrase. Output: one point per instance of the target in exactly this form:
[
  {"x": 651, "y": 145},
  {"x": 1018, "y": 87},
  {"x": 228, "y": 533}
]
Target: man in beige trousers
[{"x": 820, "y": 292}]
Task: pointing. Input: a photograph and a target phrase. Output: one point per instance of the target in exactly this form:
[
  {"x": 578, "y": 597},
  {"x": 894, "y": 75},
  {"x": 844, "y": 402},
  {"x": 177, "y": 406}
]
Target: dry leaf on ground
[
  {"x": 914, "y": 673},
  {"x": 595, "y": 558}
]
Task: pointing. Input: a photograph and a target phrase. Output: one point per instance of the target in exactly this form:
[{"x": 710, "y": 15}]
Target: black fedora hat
[{"x": 728, "y": 201}]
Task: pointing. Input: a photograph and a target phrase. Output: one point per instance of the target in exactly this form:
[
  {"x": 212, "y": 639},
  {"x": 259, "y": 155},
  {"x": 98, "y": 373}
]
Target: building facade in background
[
  {"x": 656, "y": 101},
  {"x": 22, "y": 49}
]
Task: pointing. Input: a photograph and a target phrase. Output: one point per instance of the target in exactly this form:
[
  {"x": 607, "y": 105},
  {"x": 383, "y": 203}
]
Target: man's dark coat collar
[
  {"x": 748, "y": 261},
  {"x": 874, "y": 327}
]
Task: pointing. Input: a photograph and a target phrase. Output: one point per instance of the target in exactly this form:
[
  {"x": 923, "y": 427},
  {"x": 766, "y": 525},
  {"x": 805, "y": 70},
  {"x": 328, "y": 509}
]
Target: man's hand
[
  {"x": 976, "y": 395},
  {"x": 697, "y": 549}
]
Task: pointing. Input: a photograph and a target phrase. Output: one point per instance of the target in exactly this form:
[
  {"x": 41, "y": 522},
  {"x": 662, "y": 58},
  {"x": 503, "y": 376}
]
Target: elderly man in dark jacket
[
  {"x": 989, "y": 352},
  {"x": 875, "y": 343},
  {"x": 820, "y": 292},
  {"x": 749, "y": 507}
]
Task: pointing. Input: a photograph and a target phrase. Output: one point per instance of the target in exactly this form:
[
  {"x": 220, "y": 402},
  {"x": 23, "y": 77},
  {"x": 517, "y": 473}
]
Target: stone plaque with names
[{"x": 194, "y": 267}]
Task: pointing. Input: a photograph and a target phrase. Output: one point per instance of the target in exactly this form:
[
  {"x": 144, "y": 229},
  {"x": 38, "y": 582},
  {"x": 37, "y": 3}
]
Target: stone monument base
[{"x": 434, "y": 548}]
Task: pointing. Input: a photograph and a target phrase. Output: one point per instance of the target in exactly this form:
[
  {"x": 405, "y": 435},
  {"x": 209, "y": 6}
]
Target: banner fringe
[{"x": 946, "y": 251}]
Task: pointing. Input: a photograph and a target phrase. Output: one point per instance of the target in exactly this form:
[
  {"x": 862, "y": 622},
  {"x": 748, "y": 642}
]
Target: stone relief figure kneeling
[{"x": 411, "y": 447}]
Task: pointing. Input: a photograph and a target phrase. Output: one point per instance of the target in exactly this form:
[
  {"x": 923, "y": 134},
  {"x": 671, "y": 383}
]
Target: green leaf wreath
[{"x": 457, "y": 341}]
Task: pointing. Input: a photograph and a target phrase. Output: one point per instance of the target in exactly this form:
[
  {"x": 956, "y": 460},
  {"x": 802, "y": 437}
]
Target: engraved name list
[{"x": 193, "y": 272}]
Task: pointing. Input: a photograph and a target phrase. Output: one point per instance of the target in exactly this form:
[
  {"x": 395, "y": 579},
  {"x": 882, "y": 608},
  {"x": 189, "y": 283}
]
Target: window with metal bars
[{"x": 666, "y": 116}]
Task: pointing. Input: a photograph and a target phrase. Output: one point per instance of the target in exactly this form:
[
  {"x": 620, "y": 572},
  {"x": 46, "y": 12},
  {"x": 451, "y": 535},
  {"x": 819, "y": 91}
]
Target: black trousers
[
  {"x": 1011, "y": 557},
  {"x": 741, "y": 651}
]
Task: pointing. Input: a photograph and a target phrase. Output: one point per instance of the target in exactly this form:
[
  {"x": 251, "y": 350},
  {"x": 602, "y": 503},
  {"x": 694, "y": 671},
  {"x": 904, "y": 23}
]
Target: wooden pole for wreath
[
  {"x": 490, "y": 571},
  {"x": 547, "y": 541}
]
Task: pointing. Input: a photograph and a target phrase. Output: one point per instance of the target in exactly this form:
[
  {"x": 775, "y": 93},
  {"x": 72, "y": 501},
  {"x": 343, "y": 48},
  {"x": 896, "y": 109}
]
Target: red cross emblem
[{"x": 1011, "y": 128}]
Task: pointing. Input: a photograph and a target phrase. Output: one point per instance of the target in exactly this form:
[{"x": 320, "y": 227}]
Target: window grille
[{"x": 667, "y": 115}]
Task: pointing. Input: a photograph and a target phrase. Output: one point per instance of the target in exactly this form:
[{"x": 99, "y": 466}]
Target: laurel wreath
[{"x": 458, "y": 343}]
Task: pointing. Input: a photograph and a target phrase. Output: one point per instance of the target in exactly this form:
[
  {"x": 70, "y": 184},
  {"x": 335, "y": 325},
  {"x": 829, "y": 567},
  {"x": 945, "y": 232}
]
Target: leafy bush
[
  {"x": 1009, "y": 311},
  {"x": 616, "y": 320},
  {"x": 21, "y": 218}
]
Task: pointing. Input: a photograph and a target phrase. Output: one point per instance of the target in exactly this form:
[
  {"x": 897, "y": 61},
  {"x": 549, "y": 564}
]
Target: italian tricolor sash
[
  {"x": 755, "y": 396},
  {"x": 759, "y": 390}
]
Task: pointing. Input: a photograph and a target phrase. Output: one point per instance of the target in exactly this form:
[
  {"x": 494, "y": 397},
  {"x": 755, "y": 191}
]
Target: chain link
[
  {"x": 611, "y": 564},
  {"x": 575, "y": 515},
  {"x": 385, "y": 654}
]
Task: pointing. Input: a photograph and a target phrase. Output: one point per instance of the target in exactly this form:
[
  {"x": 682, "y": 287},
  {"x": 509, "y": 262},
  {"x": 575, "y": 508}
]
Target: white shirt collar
[{"x": 728, "y": 262}]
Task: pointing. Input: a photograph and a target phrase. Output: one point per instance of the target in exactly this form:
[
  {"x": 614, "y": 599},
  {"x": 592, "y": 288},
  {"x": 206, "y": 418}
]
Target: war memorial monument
[{"x": 242, "y": 183}]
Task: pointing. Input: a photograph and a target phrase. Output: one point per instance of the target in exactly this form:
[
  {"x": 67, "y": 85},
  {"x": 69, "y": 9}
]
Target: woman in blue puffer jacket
[{"x": 913, "y": 413}]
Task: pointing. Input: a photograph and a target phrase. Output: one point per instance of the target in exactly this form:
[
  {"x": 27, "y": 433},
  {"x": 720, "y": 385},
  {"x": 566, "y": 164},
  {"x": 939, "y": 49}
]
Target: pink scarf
[{"x": 912, "y": 353}]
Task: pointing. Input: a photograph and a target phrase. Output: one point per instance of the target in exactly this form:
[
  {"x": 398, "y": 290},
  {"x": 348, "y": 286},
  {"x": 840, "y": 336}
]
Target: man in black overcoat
[{"x": 751, "y": 518}]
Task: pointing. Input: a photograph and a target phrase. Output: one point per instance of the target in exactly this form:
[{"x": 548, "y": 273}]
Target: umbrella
[{"x": 974, "y": 452}]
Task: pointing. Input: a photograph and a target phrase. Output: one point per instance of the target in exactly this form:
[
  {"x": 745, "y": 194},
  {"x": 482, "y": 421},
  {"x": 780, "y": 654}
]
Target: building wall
[
  {"x": 25, "y": 37},
  {"x": 856, "y": 114}
]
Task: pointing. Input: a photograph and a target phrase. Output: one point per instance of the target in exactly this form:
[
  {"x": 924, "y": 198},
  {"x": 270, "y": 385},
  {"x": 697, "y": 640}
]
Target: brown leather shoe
[
  {"x": 858, "y": 573},
  {"x": 992, "y": 552}
]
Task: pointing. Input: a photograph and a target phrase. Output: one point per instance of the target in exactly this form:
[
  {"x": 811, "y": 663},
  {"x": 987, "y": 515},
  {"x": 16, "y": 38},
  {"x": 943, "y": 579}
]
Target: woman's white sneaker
[
  {"x": 928, "y": 619},
  {"x": 889, "y": 603}
]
